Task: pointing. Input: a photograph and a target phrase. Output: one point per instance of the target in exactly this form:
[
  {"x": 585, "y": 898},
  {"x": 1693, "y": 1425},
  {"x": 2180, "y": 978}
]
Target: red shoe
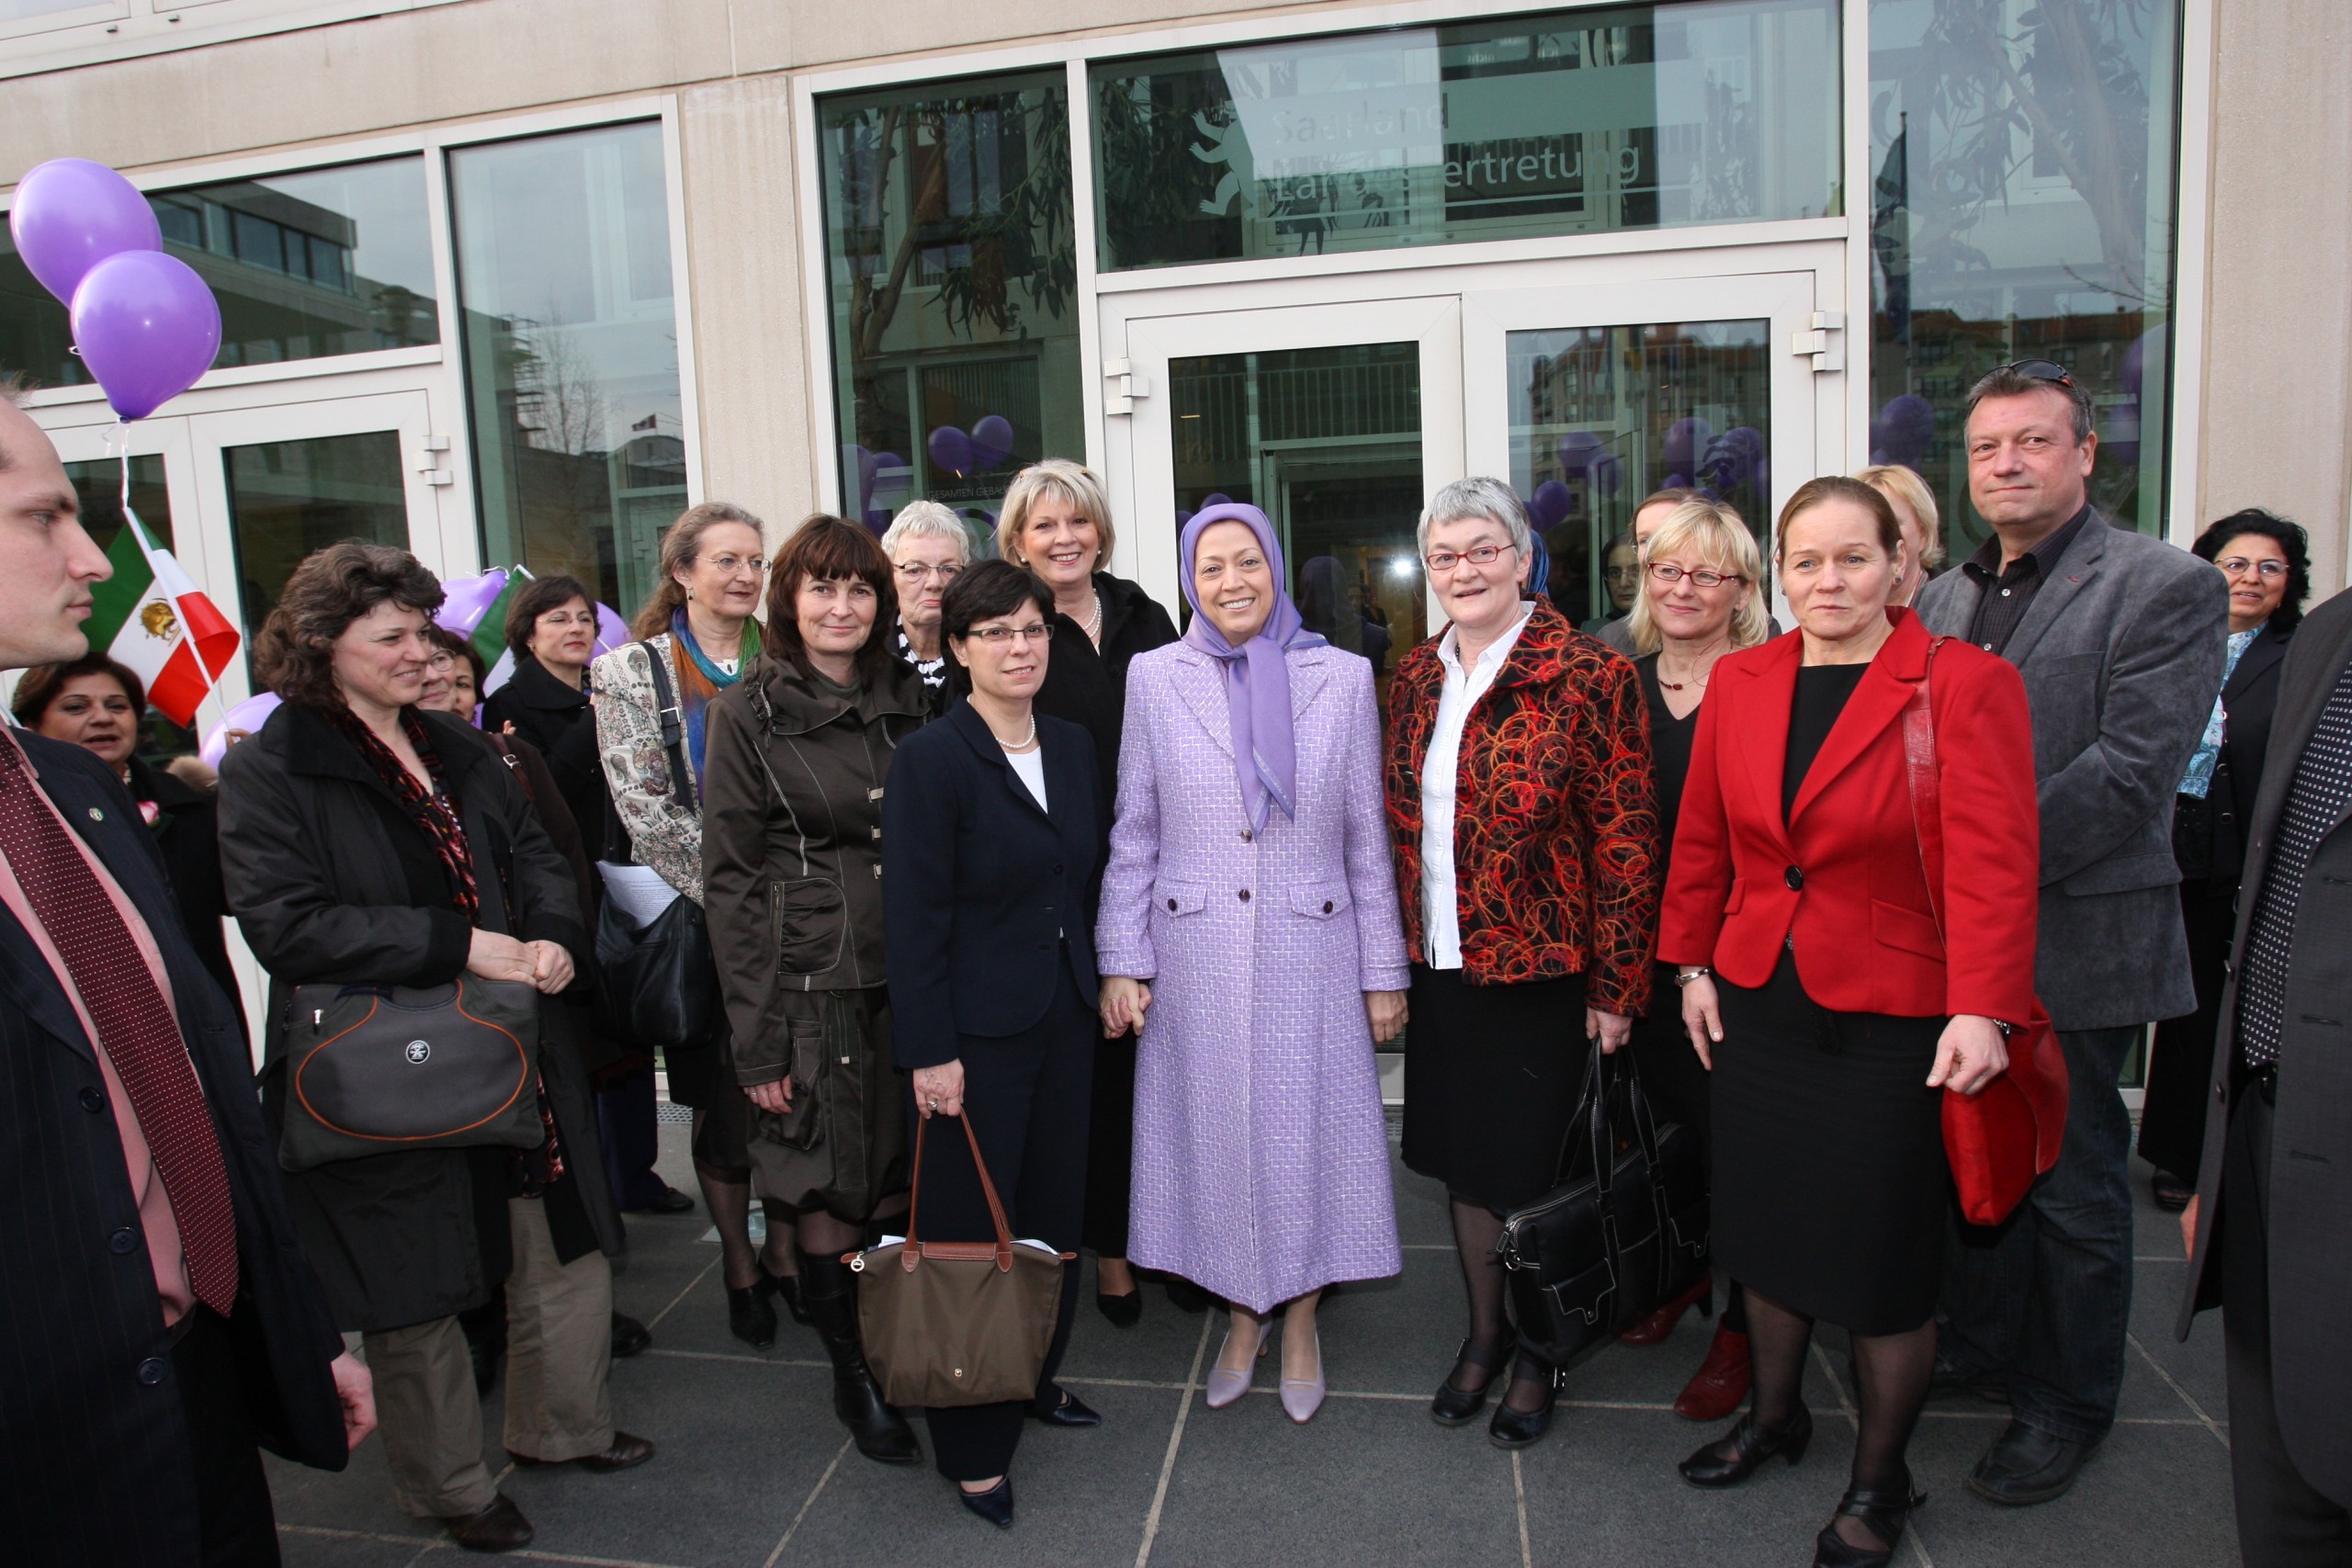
[
  {"x": 1653, "y": 1329},
  {"x": 1720, "y": 1385}
]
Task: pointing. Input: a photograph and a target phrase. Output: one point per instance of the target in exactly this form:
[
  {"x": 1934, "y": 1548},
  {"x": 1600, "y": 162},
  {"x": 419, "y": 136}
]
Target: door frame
[{"x": 1464, "y": 423}]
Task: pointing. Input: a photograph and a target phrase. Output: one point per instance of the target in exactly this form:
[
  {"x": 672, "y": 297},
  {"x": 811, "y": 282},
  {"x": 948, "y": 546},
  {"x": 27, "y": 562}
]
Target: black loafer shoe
[
  {"x": 631, "y": 1337},
  {"x": 624, "y": 1452},
  {"x": 995, "y": 1505},
  {"x": 1071, "y": 1412},
  {"x": 1124, "y": 1312},
  {"x": 1452, "y": 1406},
  {"x": 1523, "y": 1428},
  {"x": 751, "y": 1317},
  {"x": 500, "y": 1526},
  {"x": 2027, "y": 1465}
]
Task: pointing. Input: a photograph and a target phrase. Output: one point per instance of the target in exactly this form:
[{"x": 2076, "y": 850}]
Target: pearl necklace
[
  {"x": 1024, "y": 743},
  {"x": 1093, "y": 628}
]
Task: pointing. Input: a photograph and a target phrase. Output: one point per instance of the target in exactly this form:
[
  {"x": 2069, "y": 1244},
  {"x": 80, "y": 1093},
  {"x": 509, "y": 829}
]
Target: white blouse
[{"x": 1441, "y": 764}]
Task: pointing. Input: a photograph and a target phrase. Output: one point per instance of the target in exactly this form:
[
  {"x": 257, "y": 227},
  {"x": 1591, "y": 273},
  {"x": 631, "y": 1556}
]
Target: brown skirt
[{"x": 843, "y": 1146}]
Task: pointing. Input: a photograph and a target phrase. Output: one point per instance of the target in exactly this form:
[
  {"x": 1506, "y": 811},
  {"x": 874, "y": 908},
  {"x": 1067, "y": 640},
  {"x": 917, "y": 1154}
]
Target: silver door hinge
[
  {"x": 1823, "y": 342},
  {"x": 1123, "y": 386}
]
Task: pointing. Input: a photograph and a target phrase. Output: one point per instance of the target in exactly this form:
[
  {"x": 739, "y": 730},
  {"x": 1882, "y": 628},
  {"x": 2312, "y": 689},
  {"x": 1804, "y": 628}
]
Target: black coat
[
  {"x": 187, "y": 829},
  {"x": 326, "y": 873},
  {"x": 95, "y": 1461},
  {"x": 2249, "y": 698},
  {"x": 1133, "y": 623},
  {"x": 562, "y": 723},
  {"x": 1089, "y": 687},
  {"x": 981, "y": 891}
]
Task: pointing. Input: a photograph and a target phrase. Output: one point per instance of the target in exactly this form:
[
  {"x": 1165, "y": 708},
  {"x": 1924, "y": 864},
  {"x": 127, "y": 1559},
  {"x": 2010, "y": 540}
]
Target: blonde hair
[
  {"x": 1903, "y": 485},
  {"x": 1056, "y": 478},
  {"x": 1720, "y": 539}
]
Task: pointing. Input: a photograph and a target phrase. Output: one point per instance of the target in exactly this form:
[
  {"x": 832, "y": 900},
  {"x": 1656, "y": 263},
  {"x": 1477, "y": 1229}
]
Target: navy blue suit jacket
[
  {"x": 95, "y": 1465},
  {"x": 982, "y": 889}
]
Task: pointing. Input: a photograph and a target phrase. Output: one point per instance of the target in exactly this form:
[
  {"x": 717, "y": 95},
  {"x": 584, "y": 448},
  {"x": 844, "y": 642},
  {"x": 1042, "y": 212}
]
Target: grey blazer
[
  {"x": 2310, "y": 1180},
  {"x": 2121, "y": 655}
]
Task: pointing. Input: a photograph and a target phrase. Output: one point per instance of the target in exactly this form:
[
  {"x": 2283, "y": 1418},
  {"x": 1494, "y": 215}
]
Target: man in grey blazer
[
  {"x": 2267, "y": 1228},
  {"x": 2120, "y": 639}
]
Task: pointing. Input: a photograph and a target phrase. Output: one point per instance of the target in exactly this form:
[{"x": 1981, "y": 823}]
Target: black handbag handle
[
  {"x": 673, "y": 726},
  {"x": 1592, "y": 1120},
  {"x": 1638, "y": 1105}
]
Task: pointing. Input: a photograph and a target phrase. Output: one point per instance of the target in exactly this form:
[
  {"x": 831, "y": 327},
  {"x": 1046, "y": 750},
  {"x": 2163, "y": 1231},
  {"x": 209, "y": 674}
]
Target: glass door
[
  {"x": 1337, "y": 421},
  {"x": 1587, "y": 399}
]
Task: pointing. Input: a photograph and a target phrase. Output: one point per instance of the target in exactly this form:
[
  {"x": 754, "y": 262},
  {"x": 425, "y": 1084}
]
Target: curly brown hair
[{"x": 294, "y": 655}]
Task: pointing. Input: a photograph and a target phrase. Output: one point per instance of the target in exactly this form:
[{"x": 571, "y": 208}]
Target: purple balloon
[
  {"x": 465, "y": 600},
  {"x": 70, "y": 214},
  {"x": 147, "y": 327},
  {"x": 1549, "y": 505},
  {"x": 951, "y": 451},
  {"x": 1685, "y": 440},
  {"x": 612, "y": 632},
  {"x": 991, "y": 442},
  {"x": 246, "y": 716}
]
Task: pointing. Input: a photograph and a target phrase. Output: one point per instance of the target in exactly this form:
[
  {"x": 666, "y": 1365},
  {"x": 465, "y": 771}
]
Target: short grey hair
[
  {"x": 1478, "y": 496},
  {"x": 926, "y": 520}
]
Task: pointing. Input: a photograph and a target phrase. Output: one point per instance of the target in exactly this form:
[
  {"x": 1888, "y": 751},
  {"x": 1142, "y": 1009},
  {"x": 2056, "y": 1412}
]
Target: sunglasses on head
[{"x": 2047, "y": 370}]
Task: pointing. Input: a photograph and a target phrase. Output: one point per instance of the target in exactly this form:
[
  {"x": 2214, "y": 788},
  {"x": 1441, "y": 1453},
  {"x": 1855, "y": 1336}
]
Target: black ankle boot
[
  {"x": 881, "y": 1433},
  {"x": 1732, "y": 1459}
]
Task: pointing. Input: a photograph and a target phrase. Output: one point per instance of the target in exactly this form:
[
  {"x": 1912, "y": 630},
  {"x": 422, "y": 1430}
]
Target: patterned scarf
[
  {"x": 700, "y": 679},
  {"x": 433, "y": 810}
]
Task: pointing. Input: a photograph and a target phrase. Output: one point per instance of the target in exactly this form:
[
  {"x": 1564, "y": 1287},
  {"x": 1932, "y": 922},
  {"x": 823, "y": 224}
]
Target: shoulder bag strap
[
  {"x": 673, "y": 724},
  {"x": 913, "y": 1252},
  {"x": 1927, "y": 793}
]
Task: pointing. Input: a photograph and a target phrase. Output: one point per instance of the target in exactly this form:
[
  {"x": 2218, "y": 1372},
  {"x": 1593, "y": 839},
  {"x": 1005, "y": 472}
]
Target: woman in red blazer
[{"x": 1818, "y": 990}]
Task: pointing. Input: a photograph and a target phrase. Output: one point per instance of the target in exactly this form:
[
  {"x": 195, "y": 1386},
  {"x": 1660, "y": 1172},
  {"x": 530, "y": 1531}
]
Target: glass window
[
  {"x": 1326, "y": 442},
  {"x": 1602, "y": 416},
  {"x": 98, "y": 485},
  {"x": 306, "y": 266},
  {"x": 290, "y": 498},
  {"x": 572, "y": 353},
  {"x": 1635, "y": 116},
  {"x": 952, "y": 269},
  {"x": 2022, "y": 205}
]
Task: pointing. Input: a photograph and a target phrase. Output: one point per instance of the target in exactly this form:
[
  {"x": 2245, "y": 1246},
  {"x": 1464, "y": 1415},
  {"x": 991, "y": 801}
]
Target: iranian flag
[{"x": 150, "y": 618}]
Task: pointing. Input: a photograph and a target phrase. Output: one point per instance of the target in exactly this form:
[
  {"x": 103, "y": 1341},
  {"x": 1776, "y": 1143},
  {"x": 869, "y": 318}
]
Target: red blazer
[
  {"x": 1555, "y": 820},
  {"x": 1843, "y": 872}
]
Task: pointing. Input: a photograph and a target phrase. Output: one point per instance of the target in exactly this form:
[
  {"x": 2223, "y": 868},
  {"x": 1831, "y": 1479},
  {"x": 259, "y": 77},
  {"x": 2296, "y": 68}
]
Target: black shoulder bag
[
  {"x": 659, "y": 979},
  {"x": 1624, "y": 1229}
]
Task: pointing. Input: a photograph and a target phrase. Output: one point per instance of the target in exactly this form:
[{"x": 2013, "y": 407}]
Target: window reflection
[
  {"x": 290, "y": 498},
  {"x": 953, "y": 275},
  {"x": 572, "y": 353},
  {"x": 306, "y": 266},
  {"x": 2022, "y": 205},
  {"x": 1635, "y": 116}
]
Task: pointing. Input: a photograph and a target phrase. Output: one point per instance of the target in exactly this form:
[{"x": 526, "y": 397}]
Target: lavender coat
[{"x": 1260, "y": 1155}]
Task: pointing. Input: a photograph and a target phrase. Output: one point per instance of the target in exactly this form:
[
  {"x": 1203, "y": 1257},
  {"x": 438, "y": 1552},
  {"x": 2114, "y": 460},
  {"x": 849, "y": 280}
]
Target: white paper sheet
[{"x": 638, "y": 890}]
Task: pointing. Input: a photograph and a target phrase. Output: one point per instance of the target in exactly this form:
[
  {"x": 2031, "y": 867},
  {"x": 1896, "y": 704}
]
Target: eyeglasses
[
  {"x": 915, "y": 571},
  {"x": 728, "y": 565},
  {"x": 1671, "y": 575},
  {"x": 2047, "y": 370},
  {"x": 996, "y": 636},
  {"x": 2238, "y": 566},
  {"x": 1440, "y": 563}
]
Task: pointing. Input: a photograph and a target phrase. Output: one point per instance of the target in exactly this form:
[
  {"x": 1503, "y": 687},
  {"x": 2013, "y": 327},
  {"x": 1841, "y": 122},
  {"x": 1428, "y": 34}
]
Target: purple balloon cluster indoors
[{"x": 144, "y": 323}]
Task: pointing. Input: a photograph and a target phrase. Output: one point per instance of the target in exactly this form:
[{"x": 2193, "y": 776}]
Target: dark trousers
[
  {"x": 1111, "y": 1146},
  {"x": 231, "y": 1493},
  {"x": 632, "y": 1134},
  {"x": 2283, "y": 1521},
  {"x": 1028, "y": 1097},
  {"x": 2046, "y": 1295},
  {"x": 2180, "y": 1062}
]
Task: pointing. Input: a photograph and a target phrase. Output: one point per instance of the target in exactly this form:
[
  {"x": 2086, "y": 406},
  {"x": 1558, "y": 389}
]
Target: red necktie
[{"x": 134, "y": 1023}]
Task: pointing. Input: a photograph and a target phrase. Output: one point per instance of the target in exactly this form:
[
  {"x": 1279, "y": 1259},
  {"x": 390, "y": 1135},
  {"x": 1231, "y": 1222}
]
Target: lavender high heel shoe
[
  {"x": 1224, "y": 1387},
  {"x": 1302, "y": 1397}
]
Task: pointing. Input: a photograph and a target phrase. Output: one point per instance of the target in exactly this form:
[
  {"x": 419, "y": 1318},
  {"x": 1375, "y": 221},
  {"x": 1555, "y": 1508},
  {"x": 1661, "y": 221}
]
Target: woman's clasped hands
[{"x": 545, "y": 965}]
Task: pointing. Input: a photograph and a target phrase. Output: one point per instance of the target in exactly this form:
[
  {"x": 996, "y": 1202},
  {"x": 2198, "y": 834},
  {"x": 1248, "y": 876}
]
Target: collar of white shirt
[{"x": 1449, "y": 645}]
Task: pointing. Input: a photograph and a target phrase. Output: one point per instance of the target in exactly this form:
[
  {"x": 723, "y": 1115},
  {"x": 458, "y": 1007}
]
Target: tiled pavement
[{"x": 754, "y": 1472}]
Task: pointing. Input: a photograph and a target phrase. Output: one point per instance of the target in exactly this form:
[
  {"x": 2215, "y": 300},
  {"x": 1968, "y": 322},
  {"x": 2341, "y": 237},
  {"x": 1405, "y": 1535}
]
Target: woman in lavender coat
[{"x": 1250, "y": 907}]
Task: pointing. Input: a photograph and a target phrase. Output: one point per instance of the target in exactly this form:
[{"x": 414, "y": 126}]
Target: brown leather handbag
[{"x": 955, "y": 1322}]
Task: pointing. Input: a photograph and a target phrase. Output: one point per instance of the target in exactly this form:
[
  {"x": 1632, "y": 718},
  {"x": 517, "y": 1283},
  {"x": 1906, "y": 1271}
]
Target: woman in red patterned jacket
[{"x": 1521, "y": 801}]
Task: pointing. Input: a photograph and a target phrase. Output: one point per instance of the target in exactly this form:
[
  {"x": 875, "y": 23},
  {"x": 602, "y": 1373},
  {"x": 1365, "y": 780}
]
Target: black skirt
[
  {"x": 1492, "y": 1073},
  {"x": 1830, "y": 1182}
]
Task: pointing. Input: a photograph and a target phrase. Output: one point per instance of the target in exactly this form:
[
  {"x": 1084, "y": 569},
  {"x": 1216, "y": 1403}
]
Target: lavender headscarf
[{"x": 1257, "y": 675}]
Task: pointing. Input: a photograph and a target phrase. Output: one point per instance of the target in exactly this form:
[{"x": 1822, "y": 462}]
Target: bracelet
[{"x": 1684, "y": 977}]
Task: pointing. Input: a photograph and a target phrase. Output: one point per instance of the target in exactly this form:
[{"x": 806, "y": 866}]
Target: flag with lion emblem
[{"x": 150, "y": 618}]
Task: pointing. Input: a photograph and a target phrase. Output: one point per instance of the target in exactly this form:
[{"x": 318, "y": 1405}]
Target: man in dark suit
[
  {"x": 2267, "y": 1229},
  {"x": 157, "y": 1318},
  {"x": 2120, "y": 639}
]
